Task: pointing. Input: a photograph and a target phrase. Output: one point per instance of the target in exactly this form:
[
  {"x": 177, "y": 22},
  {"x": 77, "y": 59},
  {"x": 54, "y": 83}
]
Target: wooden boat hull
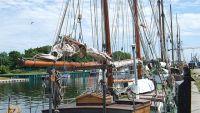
[{"x": 141, "y": 106}]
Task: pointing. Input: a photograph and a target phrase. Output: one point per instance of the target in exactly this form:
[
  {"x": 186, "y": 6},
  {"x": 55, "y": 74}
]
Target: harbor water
[{"x": 31, "y": 98}]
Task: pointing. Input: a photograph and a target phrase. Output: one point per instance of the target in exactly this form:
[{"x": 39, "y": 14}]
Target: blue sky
[{"x": 33, "y": 23}]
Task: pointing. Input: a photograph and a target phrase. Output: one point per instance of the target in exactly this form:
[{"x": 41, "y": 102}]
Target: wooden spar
[
  {"x": 137, "y": 39},
  {"x": 107, "y": 36},
  {"x": 122, "y": 81},
  {"x": 69, "y": 65}
]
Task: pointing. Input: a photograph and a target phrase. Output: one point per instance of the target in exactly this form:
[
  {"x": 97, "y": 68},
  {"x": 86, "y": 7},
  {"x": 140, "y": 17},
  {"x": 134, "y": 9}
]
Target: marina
[
  {"x": 39, "y": 102},
  {"x": 106, "y": 56}
]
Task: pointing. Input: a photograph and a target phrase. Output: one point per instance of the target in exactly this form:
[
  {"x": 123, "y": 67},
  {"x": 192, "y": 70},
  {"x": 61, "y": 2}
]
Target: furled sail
[
  {"x": 69, "y": 47},
  {"x": 124, "y": 63}
]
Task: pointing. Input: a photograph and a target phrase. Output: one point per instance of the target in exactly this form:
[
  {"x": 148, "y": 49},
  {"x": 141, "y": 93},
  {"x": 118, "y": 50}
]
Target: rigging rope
[
  {"x": 59, "y": 18},
  {"x": 61, "y": 23},
  {"x": 93, "y": 40},
  {"x": 96, "y": 24}
]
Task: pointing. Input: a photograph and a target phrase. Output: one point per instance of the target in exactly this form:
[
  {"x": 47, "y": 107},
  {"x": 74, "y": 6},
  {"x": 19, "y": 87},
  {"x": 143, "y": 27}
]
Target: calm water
[{"x": 30, "y": 95}]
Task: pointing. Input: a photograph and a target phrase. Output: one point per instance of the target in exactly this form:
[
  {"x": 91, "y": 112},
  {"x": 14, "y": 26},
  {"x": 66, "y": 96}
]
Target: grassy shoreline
[
  {"x": 34, "y": 72},
  {"x": 25, "y": 73},
  {"x": 198, "y": 84},
  {"x": 196, "y": 75},
  {"x": 4, "y": 78}
]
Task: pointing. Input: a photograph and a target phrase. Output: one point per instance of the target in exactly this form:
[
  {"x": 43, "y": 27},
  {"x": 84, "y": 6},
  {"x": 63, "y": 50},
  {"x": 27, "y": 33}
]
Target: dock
[
  {"x": 195, "y": 94},
  {"x": 14, "y": 80},
  {"x": 195, "y": 99}
]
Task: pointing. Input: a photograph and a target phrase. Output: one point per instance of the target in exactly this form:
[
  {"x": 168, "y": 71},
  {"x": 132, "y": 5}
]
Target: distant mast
[
  {"x": 178, "y": 42},
  {"x": 137, "y": 38},
  {"x": 162, "y": 30},
  {"x": 172, "y": 38}
]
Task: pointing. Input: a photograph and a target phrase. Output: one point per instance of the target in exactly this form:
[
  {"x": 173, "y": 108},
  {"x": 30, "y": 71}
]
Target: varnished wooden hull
[{"x": 141, "y": 106}]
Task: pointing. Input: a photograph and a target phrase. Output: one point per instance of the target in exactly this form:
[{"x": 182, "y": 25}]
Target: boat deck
[{"x": 141, "y": 106}]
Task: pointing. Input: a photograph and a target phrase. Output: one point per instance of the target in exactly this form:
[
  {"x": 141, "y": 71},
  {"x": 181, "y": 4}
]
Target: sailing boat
[{"x": 92, "y": 102}]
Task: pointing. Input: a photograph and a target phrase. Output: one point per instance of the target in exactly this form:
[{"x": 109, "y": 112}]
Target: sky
[{"x": 33, "y": 23}]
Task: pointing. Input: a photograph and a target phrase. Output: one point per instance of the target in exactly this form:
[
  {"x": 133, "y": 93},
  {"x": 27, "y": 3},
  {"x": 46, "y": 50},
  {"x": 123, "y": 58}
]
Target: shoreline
[
  {"x": 35, "y": 73},
  {"x": 14, "y": 80}
]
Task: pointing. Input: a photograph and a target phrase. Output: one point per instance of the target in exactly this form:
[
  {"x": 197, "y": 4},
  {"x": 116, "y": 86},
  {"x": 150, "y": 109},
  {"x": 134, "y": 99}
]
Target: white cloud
[{"x": 26, "y": 24}]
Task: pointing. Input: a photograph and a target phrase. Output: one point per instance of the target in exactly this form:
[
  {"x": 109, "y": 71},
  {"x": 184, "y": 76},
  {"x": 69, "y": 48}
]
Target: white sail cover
[
  {"x": 45, "y": 57},
  {"x": 124, "y": 63},
  {"x": 69, "y": 47},
  {"x": 144, "y": 86},
  {"x": 99, "y": 56}
]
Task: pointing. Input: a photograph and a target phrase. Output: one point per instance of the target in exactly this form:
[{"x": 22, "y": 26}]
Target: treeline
[{"x": 9, "y": 61}]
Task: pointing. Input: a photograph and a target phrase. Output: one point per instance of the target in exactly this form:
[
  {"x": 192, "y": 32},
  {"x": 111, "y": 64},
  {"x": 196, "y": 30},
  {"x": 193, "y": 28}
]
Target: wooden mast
[
  {"x": 137, "y": 39},
  {"x": 107, "y": 36}
]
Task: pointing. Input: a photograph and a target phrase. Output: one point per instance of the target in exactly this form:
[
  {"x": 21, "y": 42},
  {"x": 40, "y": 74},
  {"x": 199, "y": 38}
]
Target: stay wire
[{"x": 93, "y": 40}]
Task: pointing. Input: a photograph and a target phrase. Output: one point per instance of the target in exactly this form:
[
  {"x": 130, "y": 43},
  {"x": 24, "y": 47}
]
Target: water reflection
[{"x": 30, "y": 95}]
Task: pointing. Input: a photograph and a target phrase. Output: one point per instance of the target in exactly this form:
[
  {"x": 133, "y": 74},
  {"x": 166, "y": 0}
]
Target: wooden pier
[{"x": 14, "y": 80}]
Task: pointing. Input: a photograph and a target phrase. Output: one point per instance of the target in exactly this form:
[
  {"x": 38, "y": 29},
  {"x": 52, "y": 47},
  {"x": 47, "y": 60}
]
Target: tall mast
[
  {"x": 137, "y": 38},
  {"x": 172, "y": 39},
  {"x": 178, "y": 41},
  {"x": 163, "y": 31},
  {"x": 107, "y": 36},
  {"x": 160, "y": 31}
]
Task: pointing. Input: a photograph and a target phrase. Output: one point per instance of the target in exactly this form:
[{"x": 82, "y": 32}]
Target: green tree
[
  {"x": 13, "y": 58},
  {"x": 29, "y": 53},
  {"x": 118, "y": 55},
  {"x": 4, "y": 69},
  {"x": 44, "y": 49},
  {"x": 4, "y": 59},
  {"x": 76, "y": 58}
]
